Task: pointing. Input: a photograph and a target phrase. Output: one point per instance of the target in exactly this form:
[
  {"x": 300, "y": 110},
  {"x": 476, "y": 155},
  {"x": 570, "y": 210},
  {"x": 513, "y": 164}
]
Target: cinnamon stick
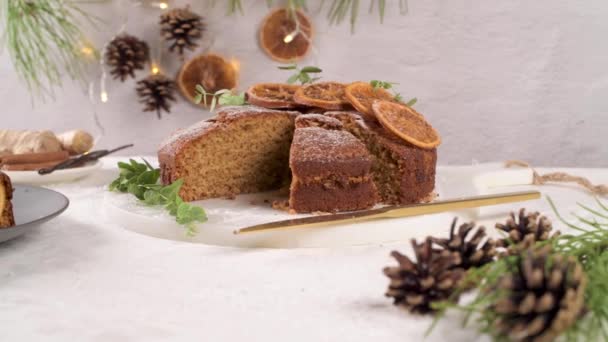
[
  {"x": 28, "y": 167},
  {"x": 34, "y": 158}
]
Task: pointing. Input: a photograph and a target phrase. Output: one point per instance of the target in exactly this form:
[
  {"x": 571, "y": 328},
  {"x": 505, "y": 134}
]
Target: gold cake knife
[{"x": 395, "y": 211}]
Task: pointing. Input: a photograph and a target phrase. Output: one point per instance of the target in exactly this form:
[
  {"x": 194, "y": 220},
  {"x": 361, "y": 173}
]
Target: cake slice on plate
[
  {"x": 331, "y": 169},
  {"x": 6, "y": 207}
]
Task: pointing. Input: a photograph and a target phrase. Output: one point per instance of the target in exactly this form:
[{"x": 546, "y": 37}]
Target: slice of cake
[
  {"x": 242, "y": 150},
  {"x": 403, "y": 173},
  {"x": 330, "y": 168},
  {"x": 6, "y": 207}
]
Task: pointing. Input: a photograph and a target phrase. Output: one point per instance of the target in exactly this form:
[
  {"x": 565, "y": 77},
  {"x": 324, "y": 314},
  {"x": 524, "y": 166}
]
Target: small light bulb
[
  {"x": 288, "y": 38},
  {"x": 86, "y": 51},
  {"x": 236, "y": 65},
  {"x": 163, "y": 5},
  {"x": 155, "y": 70},
  {"x": 104, "y": 97}
]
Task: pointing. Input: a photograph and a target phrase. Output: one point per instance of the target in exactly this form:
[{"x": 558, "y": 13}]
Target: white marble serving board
[{"x": 227, "y": 215}]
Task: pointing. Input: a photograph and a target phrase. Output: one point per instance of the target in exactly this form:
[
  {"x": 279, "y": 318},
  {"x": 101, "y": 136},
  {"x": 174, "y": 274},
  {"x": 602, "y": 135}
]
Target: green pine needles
[
  {"x": 338, "y": 11},
  {"x": 589, "y": 246},
  {"x": 142, "y": 181},
  {"x": 45, "y": 42}
]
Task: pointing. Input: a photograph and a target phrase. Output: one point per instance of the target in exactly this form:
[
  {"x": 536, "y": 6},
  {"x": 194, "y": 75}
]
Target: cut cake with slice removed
[
  {"x": 6, "y": 208},
  {"x": 330, "y": 168}
]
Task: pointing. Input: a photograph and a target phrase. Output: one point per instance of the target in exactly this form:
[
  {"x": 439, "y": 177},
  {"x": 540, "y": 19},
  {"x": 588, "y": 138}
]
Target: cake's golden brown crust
[
  {"x": 402, "y": 172},
  {"x": 6, "y": 190},
  {"x": 175, "y": 155}
]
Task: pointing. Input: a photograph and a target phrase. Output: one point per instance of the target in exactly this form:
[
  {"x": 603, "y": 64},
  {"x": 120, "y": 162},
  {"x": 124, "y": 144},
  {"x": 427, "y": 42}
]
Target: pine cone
[
  {"x": 477, "y": 251},
  {"x": 415, "y": 285},
  {"x": 156, "y": 92},
  {"x": 543, "y": 296},
  {"x": 531, "y": 226},
  {"x": 125, "y": 54},
  {"x": 181, "y": 28}
]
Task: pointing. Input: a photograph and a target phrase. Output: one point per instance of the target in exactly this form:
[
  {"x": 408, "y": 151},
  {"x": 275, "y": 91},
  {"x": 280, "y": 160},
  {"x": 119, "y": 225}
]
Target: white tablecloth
[{"x": 83, "y": 278}]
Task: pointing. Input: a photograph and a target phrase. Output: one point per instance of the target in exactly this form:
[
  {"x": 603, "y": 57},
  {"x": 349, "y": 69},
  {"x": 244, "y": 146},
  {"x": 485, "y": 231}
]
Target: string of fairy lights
[
  {"x": 99, "y": 83},
  {"x": 97, "y": 87}
]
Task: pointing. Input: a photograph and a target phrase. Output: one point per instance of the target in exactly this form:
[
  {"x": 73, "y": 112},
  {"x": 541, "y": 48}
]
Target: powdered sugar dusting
[
  {"x": 318, "y": 120},
  {"x": 171, "y": 143},
  {"x": 322, "y": 145}
]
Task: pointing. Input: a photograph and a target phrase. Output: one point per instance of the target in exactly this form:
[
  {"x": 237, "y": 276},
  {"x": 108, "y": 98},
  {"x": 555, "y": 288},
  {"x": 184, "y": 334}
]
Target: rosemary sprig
[
  {"x": 302, "y": 75},
  {"x": 142, "y": 181},
  {"x": 390, "y": 86},
  {"x": 223, "y": 97},
  {"x": 45, "y": 42}
]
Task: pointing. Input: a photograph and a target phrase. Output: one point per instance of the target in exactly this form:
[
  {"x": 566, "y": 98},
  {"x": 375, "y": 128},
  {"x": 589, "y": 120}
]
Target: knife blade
[{"x": 395, "y": 211}]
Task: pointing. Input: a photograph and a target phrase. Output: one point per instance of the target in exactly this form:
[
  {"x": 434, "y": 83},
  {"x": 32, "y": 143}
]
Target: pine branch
[{"x": 44, "y": 41}]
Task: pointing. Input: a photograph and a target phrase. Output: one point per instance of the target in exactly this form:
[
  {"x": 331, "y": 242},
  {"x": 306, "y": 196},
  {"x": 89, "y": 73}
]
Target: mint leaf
[
  {"x": 412, "y": 102},
  {"x": 232, "y": 100},
  {"x": 311, "y": 69}
]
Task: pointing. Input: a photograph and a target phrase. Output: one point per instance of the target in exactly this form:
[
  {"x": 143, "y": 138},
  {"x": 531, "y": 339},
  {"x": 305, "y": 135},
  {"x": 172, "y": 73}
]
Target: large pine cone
[
  {"x": 416, "y": 285},
  {"x": 473, "y": 251},
  {"x": 156, "y": 92},
  {"x": 542, "y": 297},
  {"x": 525, "y": 229},
  {"x": 182, "y": 28},
  {"x": 125, "y": 54}
]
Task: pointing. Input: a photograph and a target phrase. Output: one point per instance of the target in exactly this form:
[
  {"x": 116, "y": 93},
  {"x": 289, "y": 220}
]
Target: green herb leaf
[
  {"x": 293, "y": 78},
  {"x": 142, "y": 181},
  {"x": 311, "y": 69},
  {"x": 288, "y": 67},
  {"x": 412, "y": 102},
  {"x": 229, "y": 99},
  {"x": 302, "y": 75}
]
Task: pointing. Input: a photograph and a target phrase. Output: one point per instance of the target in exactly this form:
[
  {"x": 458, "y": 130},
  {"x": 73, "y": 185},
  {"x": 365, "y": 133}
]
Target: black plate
[{"x": 33, "y": 206}]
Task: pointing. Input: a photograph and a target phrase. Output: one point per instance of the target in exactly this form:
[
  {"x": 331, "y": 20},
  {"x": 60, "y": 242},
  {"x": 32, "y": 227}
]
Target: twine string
[{"x": 560, "y": 177}]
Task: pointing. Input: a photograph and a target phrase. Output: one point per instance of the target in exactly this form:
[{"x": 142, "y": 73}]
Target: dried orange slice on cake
[
  {"x": 272, "y": 95},
  {"x": 362, "y": 95},
  {"x": 326, "y": 95},
  {"x": 211, "y": 71},
  {"x": 406, "y": 123},
  {"x": 284, "y": 40}
]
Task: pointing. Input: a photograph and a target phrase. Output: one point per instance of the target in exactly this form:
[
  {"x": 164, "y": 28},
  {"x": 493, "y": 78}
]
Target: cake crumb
[{"x": 281, "y": 205}]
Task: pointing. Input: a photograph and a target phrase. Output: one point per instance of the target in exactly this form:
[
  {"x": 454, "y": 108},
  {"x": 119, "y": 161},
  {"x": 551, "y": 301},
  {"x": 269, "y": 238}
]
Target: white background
[{"x": 499, "y": 79}]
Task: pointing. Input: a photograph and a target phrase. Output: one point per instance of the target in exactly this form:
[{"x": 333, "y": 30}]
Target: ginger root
[
  {"x": 20, "y": 142},
  {"x": 76, "y": 141}
]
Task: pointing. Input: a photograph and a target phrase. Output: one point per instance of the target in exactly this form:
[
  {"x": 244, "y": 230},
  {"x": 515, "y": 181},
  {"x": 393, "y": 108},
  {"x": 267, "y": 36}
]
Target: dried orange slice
[
  {"x": 406, "y": 123},
  {"x": 362, "y": 95},
  {"x": 211, "y": 71},
  {"x": 326, "y": 95},
  {"x": 272, "y": 95},
  {"x": 284, "y": 40}
]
